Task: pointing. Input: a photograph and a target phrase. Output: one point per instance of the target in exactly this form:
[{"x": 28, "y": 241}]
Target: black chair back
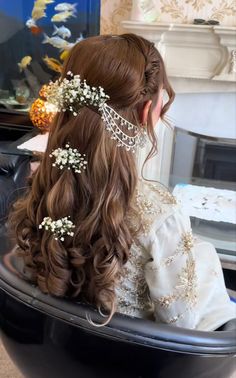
[
  {"x": 50, "y": 337},
  {"x": 14, "y": 170}
]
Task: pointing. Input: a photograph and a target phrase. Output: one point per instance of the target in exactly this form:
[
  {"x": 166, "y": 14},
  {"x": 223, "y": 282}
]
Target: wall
[
  {"x": 212, "y": 114},
  {"x": 112, "y": 13},
  {"x": 175, "y": 11},
  {"x": 184, "y": 11}
]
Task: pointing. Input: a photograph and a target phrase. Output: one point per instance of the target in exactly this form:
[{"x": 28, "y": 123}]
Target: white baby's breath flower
[
  {"x": 69, "y": 158},
  {"x": 73, "y": 94},
  {"x": 59, "y": 228}
]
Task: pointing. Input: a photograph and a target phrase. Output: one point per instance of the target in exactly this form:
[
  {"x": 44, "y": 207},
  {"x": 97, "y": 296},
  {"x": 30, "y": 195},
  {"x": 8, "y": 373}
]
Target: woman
[{"x": 89, "y": 228}]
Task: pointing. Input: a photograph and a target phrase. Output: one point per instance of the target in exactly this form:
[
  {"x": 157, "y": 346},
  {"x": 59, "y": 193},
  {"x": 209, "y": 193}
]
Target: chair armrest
[
  {"x": 11, "y": 163},
  {"x": 15, "y": 151}
]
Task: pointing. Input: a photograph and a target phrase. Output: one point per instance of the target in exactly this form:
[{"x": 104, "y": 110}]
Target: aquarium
[{"x": 35, "y": 39}]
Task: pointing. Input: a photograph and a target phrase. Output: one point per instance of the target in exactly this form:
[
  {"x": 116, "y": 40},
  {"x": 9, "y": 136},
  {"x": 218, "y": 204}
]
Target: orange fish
[
  {"x": 36, "y": 30},
  {"x": 53, "y": 64}
]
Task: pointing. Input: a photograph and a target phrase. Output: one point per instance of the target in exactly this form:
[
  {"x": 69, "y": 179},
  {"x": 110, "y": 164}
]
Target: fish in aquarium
[
  {"x": 62, "y": 16},
  {"x": 69, "y": 46},
  {"x": 44, "y": 2},
  {"x": 30, "y": 23},
  {"x": 64, "y": 55},
  {"x": 57, "y": 42},
  {"x": 24, "y": 62},
  {"x": 38, "y": 12},
  {"x": 34, "y": 28},
  {"x": 80, "y": 38},
  {"x": 62, "y": 31},
  {"x": 63, "y": 7},
  {"x": 53, "y": 64}
]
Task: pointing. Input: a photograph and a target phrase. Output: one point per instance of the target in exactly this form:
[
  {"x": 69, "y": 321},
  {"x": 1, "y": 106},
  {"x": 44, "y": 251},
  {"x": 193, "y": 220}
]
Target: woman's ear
[{"x": 145, "y": 111}]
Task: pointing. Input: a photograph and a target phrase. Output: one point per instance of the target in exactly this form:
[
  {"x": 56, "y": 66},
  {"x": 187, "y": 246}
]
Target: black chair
[
  {"x": 52, "y": 338},
  {"x": 14, "y": 170}
]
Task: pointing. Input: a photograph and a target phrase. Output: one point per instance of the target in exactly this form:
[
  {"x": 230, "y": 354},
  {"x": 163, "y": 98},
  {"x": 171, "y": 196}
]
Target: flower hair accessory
[
  {"x": 71, "y": 94},
  {"x": 59, "y": 228},
  {"x": 70, "y": 158}
]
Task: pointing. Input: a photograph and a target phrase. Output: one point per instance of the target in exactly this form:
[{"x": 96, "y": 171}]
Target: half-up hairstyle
[{"x": 87, "y": 265}]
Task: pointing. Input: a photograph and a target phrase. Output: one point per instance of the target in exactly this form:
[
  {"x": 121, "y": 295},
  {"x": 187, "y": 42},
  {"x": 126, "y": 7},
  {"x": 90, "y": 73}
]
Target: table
[
  {"x": 218, "y": 228},
  {"x": 10, "y": 147}
]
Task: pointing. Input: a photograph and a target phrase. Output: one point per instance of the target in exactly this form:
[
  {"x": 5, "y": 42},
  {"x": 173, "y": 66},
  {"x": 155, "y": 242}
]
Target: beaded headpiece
[{"x": 71, "y": 94}]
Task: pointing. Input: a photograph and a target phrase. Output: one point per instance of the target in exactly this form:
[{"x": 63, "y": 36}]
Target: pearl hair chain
[{"x": 115, "y": 124}]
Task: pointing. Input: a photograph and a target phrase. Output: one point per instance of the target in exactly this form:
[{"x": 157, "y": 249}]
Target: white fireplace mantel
[{"x": 198, "y": 58}]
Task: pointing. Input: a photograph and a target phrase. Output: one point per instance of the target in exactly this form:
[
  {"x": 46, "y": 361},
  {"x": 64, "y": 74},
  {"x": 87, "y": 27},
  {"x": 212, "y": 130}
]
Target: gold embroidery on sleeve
[
  {"x": 148, "y": 210},
  {"x": 186, "y": 288},
  {"x": 148, "y": 206},
  {"x": 165, "y": 195},
  {"x": 188, "y": 283},
  {"x": 133, "y": 293},
  {"x": 184, "y": 248},
  {"x": 166, "y": 301},
  {"x": 175, "y": 318}
]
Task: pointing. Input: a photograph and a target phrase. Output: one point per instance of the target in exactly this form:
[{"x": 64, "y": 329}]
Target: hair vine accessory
[
  {"x": 72, "y": 94},
  {"x": 117, "y": 125},
  {"x": 70, "y": 158},
  {"x": 59, "y": 228}
]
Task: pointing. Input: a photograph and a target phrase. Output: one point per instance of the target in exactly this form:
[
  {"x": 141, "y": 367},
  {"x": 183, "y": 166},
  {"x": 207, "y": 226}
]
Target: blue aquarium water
[{"x": 25, "y": 61}]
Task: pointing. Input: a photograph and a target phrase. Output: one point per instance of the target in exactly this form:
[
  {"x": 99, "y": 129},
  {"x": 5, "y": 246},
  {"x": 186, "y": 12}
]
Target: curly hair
[{"x": 88, "y": 265}]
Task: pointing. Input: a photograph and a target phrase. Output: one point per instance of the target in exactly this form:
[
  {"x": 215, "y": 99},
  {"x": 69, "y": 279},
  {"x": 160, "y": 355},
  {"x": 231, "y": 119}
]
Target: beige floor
[{"x": 7, "y": 369}]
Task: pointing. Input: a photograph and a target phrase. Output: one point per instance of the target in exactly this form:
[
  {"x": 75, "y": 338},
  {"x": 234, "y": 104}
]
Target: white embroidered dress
[{"x": 170, "y": 275}]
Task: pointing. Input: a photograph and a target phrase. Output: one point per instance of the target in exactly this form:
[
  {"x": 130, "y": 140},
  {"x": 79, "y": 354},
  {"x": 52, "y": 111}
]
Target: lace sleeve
[{"x": 185, "y": 278}]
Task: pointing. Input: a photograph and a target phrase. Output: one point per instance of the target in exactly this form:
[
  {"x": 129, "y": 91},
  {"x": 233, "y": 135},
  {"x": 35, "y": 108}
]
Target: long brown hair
[{"x": 131, "y": 71}]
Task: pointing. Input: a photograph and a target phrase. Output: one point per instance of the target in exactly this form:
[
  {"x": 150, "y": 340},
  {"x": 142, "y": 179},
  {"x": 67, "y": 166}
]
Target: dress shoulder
[{"x": 152, "y": 203}]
